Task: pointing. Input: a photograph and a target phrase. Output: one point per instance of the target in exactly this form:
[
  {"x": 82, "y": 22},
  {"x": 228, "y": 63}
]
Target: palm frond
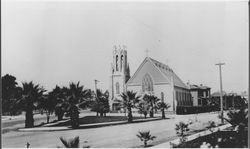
[{"x": 71, "y": 143}]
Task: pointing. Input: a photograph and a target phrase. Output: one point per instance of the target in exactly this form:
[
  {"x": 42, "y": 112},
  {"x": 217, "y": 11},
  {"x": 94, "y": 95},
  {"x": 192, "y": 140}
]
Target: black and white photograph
[{"x": 124, "y": 74}]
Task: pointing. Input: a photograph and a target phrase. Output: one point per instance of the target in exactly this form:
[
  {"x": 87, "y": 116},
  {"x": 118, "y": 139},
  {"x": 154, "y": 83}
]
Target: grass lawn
[{"x": 95, "y": 119}]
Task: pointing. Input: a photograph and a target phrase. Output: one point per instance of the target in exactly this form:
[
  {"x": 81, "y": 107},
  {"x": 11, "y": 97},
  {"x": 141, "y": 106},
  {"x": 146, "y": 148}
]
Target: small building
[
  {"x": 200, "y": 94},
  {"x": 230, "y": 100}
]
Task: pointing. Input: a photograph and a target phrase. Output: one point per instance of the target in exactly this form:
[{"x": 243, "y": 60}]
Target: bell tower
[{"x": 119, "y": 75}]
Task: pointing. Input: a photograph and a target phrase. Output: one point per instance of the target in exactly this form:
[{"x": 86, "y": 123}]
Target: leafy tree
[
  {"x": 71, "y": 143},
  {"x": 162, "y": 106},
  {"x": 143, "y": 108},
  {"x": 129, "y": 101},
  {"x": 101, "y": 103},
  {"x": 145, "y": 137},
  {"x": 10, "y": 93},
  {"x": 31, "y": 95},
  {"x": 152, "y": 100}
]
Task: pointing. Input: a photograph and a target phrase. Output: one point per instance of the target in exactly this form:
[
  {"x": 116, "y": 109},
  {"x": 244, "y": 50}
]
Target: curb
[
  {"x": 44, "y": 129},
  {"x": 94, "y": 125},
  {"x": 191, "y": 137}
]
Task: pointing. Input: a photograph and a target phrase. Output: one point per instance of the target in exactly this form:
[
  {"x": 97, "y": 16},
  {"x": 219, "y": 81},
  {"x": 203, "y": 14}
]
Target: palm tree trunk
[
  {"x": 48, "y": 116},
  {"x": 152, "y": 110},
  {"x": 163, "y": 113},
  {"x": 60, "y": 116},
  {"x": 151, "y": 114},
  {"x": 145, "y": 143},
  {"x": 130, "y": 117},
  {"x": 29, "y": 120}
]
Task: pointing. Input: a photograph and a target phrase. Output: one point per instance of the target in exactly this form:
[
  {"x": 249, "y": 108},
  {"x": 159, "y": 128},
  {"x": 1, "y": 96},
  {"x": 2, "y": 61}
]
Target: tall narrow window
[
  {"x": 117, "y": 86},
  {"x": 147, "y": 83},
  {"x": 116, "y": 62},
  {"x": 121, "y": 62},
  {"x": 162, "y": 96}
]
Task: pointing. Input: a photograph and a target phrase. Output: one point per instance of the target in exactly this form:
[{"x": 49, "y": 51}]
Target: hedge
[{"x": 195, "y": 109}]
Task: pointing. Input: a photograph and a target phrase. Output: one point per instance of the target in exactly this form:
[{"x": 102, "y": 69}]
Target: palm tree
[
  {"x": 152, "y": 100},
  {"x": 71, "y": 143},
  {"x": 143, "y": 108},
  {"x": 145, "y": 137},
  {"x": 60, "y": 94},
  {"x": 47, "y": 104},
  {"x": 129, "y": 101},
  {"x": 31, "y": 95},
  {"x": 101, "y": 103},
  {"x": 162, "y": 106},
  {"x": 76, "y": 98}
]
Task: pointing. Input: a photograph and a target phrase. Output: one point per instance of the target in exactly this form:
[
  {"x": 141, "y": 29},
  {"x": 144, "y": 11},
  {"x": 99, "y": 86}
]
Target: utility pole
[{"x": 221, "y": 94}]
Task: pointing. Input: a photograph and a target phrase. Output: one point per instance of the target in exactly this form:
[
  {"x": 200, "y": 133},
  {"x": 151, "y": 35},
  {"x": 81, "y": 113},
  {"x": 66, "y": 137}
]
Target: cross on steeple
[{"x": 146, "y": 52}]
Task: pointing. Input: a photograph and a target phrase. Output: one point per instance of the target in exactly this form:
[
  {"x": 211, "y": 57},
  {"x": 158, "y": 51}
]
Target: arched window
[
  {"x": 147, "y": 84},
  {"x": 121, "y": 62},
  {"x": 162, "y": 96},
  {"x": 117, "y": 86},
  {"x": 116, "y": 62}
]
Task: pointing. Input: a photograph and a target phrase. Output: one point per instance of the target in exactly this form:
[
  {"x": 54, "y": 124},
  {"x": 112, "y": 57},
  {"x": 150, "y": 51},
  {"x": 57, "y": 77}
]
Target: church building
[{"x": 152, "y": 77}]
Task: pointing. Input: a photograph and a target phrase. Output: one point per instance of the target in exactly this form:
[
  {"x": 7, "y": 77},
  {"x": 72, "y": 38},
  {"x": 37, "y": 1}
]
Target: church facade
[{"x": 152, "y": 77}]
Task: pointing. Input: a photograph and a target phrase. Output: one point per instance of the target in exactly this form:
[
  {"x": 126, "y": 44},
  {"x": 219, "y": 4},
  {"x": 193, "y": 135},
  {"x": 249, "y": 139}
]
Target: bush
[
  {"x": 145, "y": 137},
  {"x": 221, "y": 139}
]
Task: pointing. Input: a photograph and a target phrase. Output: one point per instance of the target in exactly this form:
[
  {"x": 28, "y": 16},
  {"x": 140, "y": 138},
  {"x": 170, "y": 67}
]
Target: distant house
[
  {"x": 230, "y": 100},
  {"x": 200, "y": 94}
]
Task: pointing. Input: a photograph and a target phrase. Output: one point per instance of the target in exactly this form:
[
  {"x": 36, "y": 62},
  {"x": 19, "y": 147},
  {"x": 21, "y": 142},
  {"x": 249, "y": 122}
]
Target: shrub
[
  {"x": 71, "y": 143},
  {"x": 145, "y": 137},
  {"x": 181, "y": 130},
  {"x": 194, "y": 109}
]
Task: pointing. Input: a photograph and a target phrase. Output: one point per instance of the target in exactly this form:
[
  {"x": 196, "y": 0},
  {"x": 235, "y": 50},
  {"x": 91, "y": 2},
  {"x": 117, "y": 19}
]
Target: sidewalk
[{"x": 84, "y": 126}]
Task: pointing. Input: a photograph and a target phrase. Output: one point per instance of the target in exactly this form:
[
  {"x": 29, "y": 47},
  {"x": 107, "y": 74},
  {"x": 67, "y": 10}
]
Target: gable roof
[
  {"x": 146, "y": 60},
  {"x": 165, "y": 70},
  {"x": 198, "y": 87}
]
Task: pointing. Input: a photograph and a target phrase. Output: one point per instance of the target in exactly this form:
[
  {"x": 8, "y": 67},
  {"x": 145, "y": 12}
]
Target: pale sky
[{"x": 62, "y": 41}]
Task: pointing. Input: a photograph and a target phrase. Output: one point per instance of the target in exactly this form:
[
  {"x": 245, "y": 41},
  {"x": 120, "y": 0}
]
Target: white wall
[
  {"x": 158, "y": 88},
  {"x": 194, "y": 98}
]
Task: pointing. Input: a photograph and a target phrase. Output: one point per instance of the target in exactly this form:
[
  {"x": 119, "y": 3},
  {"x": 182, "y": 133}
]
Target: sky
[{"x": 58, "y": 42}]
